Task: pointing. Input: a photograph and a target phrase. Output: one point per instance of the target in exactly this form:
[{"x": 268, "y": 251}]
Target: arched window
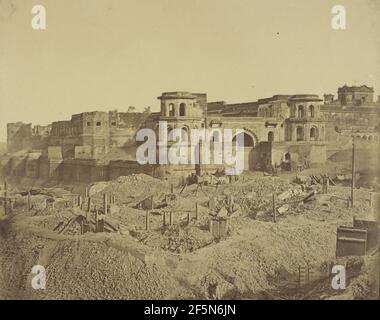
[
  {"x": 216, "y": 136},
  {"x": 311, "y": 111},
  {"x": 301, "y": 112},
  {"x": 299, "y": 134},
  {"x": 313, "y": 133},
  {"x": 171, "y": 110},
  {"x": 270, "y": 136},
  {"x": 182, "y": 109}
]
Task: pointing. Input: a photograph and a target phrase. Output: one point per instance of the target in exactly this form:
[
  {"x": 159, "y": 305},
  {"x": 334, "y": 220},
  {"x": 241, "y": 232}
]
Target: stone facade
[
  {"x": 274, "y": 128},
  {"x": 279, "y": 130},
  {"x": 354, "y": 109},
  {"x": 22, "y": 136}
]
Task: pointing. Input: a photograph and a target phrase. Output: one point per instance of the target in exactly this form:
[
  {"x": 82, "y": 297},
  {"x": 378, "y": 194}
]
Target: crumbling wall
[
  {"x": 32, "y": 165},
  {"x": 21, "y": 136},
  {"x": 51, "y": 163},
  {"x": 83, "y": 171},
  {"x": 127, "y": 167},
  {"x": 83, "y": 152},
  {"x": 298, "y": 154},
  {"x": 123, "y": 127}
]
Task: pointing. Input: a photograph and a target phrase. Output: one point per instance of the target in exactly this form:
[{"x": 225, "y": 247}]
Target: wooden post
[
  {"x": 89, "y": 204},
  {"x": 86, "y": 193},
  {"x": 81, "y": 227},
  {"x": 171, "y": 218},
  {"x": 200, "y": 158},
  {"x": 5, "y": 201},
  {"x": 196, "y": 210},
  {"x": 105, "y": 203},
  {"x": 371, "y": 195},
  {"x": 353, "y": 172},
  {"x": 172, "y": 189},
  {"x": 188, "y": 218},
  {"x": 29, "y": 201},
  {"x": 96, "y": 219},
  {"x": 274, "y": 207},
  {"x": 151, "y": 203},
  {"x": 164, "y": 219},
  {"x": 79, "y": 201},
  {"x": 231, "y": 203},
  {"x": 147, "y": 220}
]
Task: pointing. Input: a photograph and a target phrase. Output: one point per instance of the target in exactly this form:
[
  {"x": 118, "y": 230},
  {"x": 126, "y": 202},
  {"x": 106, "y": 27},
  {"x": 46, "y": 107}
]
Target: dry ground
[{"x": 259, "y": 259}]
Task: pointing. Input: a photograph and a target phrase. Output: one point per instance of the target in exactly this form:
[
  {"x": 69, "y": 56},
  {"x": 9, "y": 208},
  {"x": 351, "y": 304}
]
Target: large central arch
[
  {"x": 248, "y": 139},
  {"x": 250, "y": 135}
]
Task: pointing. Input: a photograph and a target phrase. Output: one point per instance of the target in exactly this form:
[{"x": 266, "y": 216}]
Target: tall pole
[
  {"x": 353, "y": 172},
  {"x": 273, "y": 199}
]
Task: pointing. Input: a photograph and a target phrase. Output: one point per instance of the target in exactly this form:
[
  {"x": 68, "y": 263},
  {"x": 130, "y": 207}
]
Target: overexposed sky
[{"x": 111, "y": 54}]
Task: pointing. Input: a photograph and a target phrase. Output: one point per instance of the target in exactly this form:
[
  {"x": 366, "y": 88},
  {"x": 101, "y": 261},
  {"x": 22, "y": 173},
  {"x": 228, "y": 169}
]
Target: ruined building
[
  {"x": 279, "y": 131},
  {"x": 354, "y": 109}
]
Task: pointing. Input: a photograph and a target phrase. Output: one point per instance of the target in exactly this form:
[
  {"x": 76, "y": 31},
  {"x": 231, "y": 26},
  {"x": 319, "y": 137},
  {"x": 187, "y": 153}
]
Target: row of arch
[
  {"x": 301, "y": 112},
  {"x": 249, "y": 139},
  {"x": 181, "y": 111},
  {"x": 313, "y": 134},
  {"x": 374, "y": 138}
]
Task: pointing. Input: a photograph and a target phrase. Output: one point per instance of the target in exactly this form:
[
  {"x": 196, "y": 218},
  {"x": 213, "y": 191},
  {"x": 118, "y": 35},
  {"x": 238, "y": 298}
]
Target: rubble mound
[
  {"x": 189, "y": 239},
  {"x": 127, "y": 189}
]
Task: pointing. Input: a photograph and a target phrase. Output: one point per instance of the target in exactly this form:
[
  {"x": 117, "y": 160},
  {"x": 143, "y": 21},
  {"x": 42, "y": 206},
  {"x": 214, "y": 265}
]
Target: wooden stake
[
  {"x": 29, "y": 201},
  {"x": 81, "y": 227},
  {"x": 274, "y": 207},
  {"x": 96, "y": 219},
  {"x": 147, "y": 220},
  {"x": 105, "y": 203},
  {"x": 196, "y": 210},
  {"x": 5, "y": 205},
  {"x": 353, "y": 172},
  {"x": 89, "y": 204}
]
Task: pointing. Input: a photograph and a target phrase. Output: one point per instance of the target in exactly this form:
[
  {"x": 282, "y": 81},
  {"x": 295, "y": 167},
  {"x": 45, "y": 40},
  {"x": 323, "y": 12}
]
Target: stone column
[{"x": 176, "y": 110}]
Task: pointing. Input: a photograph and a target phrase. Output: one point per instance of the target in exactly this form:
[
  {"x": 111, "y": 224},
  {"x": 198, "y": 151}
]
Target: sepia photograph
[{"x": 208, "y": 151}]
